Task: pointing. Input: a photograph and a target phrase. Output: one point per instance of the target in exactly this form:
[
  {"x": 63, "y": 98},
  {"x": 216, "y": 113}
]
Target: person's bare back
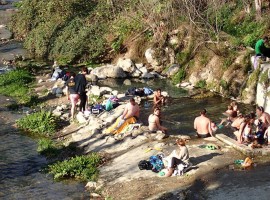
[
  {"x": 202, "y": 124},
  {"x": 132, "y": 109}
]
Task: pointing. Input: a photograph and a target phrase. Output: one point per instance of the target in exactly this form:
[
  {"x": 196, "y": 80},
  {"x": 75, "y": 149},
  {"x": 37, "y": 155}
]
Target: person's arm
[
  {"x": 125, "y": 112},
  {"x": 156, "y": 101},
  {"x": 210, "y": 128},
  {"x": 195, "y": 124}
]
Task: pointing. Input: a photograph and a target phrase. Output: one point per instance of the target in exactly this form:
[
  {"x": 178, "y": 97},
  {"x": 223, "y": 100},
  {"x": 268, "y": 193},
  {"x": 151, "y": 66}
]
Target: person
[
  {"x": 235, "y": 106},
  {"x": 237, "y": 122},
  {"x": 263, "y": 116},
  {"x": 72, "y": 94},
  {"x": 245, "y": 128},
  {"x": 178, "y": 156},
  {"x": 154, "y": 122},
  {"x": 261, "y": 49},
  {"x": 229, "y": 110},
  {"x": 80, "y": 87},
  {"x": 159, "y": 99},
  {"x": 202, "y": 125},
  {"x": 130, "y": 116}
]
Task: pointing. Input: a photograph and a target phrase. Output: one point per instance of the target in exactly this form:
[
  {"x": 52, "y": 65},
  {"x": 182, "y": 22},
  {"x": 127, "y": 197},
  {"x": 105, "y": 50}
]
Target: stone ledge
[{"x": 243, "y": 148}]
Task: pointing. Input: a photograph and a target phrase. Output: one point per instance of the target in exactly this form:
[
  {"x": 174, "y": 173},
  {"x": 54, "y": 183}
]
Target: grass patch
[
  {"x": 41, "y": 123},
  {"x": 201, "y": 84},
  {"x": 179, "y": 76},
  {"x": 16, "y": 84},
  {"x": 79, "y": 167},
  {"x": 47, "y": 147}
]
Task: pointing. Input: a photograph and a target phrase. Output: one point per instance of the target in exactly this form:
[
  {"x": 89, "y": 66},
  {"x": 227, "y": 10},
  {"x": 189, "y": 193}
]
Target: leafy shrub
[
  {"x": 43, "y": 123},
  {"x": 201, "y": 84},
  {"x": 179, "y": 76},
  {"x": 80, "y": 167},
  {"x": 224, "y": 84}
]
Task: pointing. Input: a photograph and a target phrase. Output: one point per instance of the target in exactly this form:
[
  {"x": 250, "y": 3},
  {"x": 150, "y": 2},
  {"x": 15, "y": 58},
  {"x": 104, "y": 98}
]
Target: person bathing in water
[
  {"x": 154, "y": 122},
  {"x": 202, "y": 125},
  {"x": 159, "y": 99}
]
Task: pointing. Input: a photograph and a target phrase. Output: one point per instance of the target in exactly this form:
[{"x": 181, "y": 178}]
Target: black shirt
[
  {"x": 80, "y": 83},
  {"x": 71, "y": 86}
]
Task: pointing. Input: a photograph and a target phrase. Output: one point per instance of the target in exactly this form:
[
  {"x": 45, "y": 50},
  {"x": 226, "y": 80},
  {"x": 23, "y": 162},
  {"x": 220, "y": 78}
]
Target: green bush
[
  {"x": 42, "y": 123},
  {"x": 79, "y": 167},
  {"x": 179, "y": 76},
  {"x": 201, "y": 84}
]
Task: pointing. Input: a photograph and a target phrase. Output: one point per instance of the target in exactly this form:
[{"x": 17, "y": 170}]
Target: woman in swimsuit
[{"x": 154, "y": 122}]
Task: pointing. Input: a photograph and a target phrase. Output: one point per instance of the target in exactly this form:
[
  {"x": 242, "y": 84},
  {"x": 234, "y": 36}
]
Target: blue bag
[{"x": 157, "y": 163}]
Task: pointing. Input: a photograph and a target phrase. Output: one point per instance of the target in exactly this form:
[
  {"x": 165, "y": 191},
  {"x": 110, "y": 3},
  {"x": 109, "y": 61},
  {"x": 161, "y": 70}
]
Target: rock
[
  {"x": 91, "y": 77},
  {"x": 165, "y": 94},
  {"x": 57, "y": 113},
  {"x": 157, "y": 75},
  {"x": 119, "y": 96},
  {"x": 91, "y": 185},
  {"x": 160, "y": 135},
  {"x": 172, "y": 70},
  {"x": 143, "y": 70},
  {"x": 105, "y": 90},
  {"x": 65, "y": 116},
  {"x": 147, "y": 75},
  {"x": 110, "y": 140},
  {"x": 174, "y": 40},
  {"x": 59, "y": 95},
  {"x": 135, "y": 133},
  {"x": 127, "y": 82},
  {"x": 81, "y": 119},
  {"x": 40, "y": 81},
  {"x": 141, "y": 137},
  {"x": 5, "y": 34},
  {"x": 109, "y": 71},
  {"x": 126, "y": 64},
  {"x": 95, "y": 90},
  {"x": 114, "y": 92},
  {"x": 137, "y": 73},
  {"x": 149, "y": 55},
  {"x": 139, "y": 65},
  {"x": 59, "y": 108},
  {"x": 95, "y": 195}
]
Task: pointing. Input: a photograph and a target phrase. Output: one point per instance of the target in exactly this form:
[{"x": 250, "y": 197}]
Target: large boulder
[
  {"x": 150, "y": 57},
  {"x": 126, "y": 64},
  {"x": 109, "y": 71}
]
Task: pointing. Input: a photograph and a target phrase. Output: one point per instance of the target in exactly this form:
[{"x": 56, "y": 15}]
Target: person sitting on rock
[
  {"x": 177, "y": 157},
  {"x": 129, "y": 116},
  {"x": 235, "y": 106},
  {"x": 265, "y": 118},
  {"x": 245, "y": 128},
  {"x": 154, "y": 122},
  {"x": 229, "y": 110},
  {"x": 237, "y": 122},
  {"x": 159, "y": 99},
  {"x": 261, "y": 49},
  {"x": 202, "y": 125}
]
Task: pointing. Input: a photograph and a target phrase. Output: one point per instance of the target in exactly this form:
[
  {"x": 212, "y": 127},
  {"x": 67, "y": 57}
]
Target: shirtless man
[
  {"x": 131, "y": 110},
  {"x": 154, "y": 122},
  {"x": 203, "y": 125},
  {"x": 158, "y": 98},
  {"x": 265, "y": 118}
]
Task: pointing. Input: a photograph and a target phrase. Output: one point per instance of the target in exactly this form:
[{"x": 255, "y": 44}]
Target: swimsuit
[{"x": 204, "y": 135}]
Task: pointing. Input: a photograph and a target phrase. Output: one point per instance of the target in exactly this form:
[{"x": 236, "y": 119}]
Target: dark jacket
[{"x": 80, "y": 83}]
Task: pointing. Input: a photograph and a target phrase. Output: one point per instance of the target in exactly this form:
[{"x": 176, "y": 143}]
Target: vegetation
[
  {"x": 79, "y": 167},
  {"x": 41, "y": 123},
  {"x": 15, "y": 83},
  {"x": 201, "y": 84},
  {"x": 47, "y": 147}
]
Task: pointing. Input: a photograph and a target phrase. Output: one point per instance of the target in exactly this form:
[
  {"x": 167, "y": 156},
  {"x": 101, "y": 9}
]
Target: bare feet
[{"x": 169, "y": 172}]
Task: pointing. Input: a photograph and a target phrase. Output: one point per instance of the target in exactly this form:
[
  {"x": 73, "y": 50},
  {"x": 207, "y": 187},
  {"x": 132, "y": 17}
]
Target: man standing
[
  {"x": 80, "y": 86},
  {"x": 202, "y": 124}
]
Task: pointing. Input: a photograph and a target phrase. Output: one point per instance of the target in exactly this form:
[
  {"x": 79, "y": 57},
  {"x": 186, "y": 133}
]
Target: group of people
[{"x": 76, "y": 88}]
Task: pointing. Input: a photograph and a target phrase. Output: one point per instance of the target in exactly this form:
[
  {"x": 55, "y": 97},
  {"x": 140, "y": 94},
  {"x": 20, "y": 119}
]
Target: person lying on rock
[
  {"x": 154, "y": 122},
  {"x": 159, "y": 99},
  {"x": 129, "y": 116},
  {"x": 179, "y": 156},
  {"x": 202, "y": 125}
]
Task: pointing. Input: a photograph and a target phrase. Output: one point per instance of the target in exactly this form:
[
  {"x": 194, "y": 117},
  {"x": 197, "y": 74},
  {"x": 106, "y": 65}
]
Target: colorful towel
[{"x": 121, "y": 126}]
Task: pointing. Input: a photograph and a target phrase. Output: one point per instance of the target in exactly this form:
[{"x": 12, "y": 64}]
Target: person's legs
[
  {"x": 74, "y": 99},
  {"x": 83, "y": 98},
  {"x": 171, "y": 165}
]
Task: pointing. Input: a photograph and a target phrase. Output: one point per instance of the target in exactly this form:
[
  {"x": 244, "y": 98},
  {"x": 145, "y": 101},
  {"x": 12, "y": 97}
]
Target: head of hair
[
  {"x": 230, "y": 107},
  {"x": 72, "y": 74},
  {"x": 181, "y": 142},
  {"x": 203, "y": 112},
  {"x": 131, "y": 99},
  {"x": 260, "y": 108},
  {"x": 234, "y": 114},
  {"x": 158, "y": 90},
  {"x": 84, "y": 70},
  {"x": 233, "y": 103},
  {"x": 265, "y": 38}
]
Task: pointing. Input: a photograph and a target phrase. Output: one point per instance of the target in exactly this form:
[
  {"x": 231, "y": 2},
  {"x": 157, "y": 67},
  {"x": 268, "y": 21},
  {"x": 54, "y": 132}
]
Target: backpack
[
  {"x": 131, "y": 91},
  {"x": 157, "y": 163},
  {"x": 144, "y": 164},
  {"x": 66, "y": 76},
  {"x": 148, "y": 91},
  {"x": 97, "y": 109}
]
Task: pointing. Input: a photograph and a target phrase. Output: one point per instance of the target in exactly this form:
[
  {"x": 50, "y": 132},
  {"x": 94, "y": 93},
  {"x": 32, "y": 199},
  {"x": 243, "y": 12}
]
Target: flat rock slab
[
  {"x": 243, "y": 148},
  {"x": 5, "y": 34}
]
